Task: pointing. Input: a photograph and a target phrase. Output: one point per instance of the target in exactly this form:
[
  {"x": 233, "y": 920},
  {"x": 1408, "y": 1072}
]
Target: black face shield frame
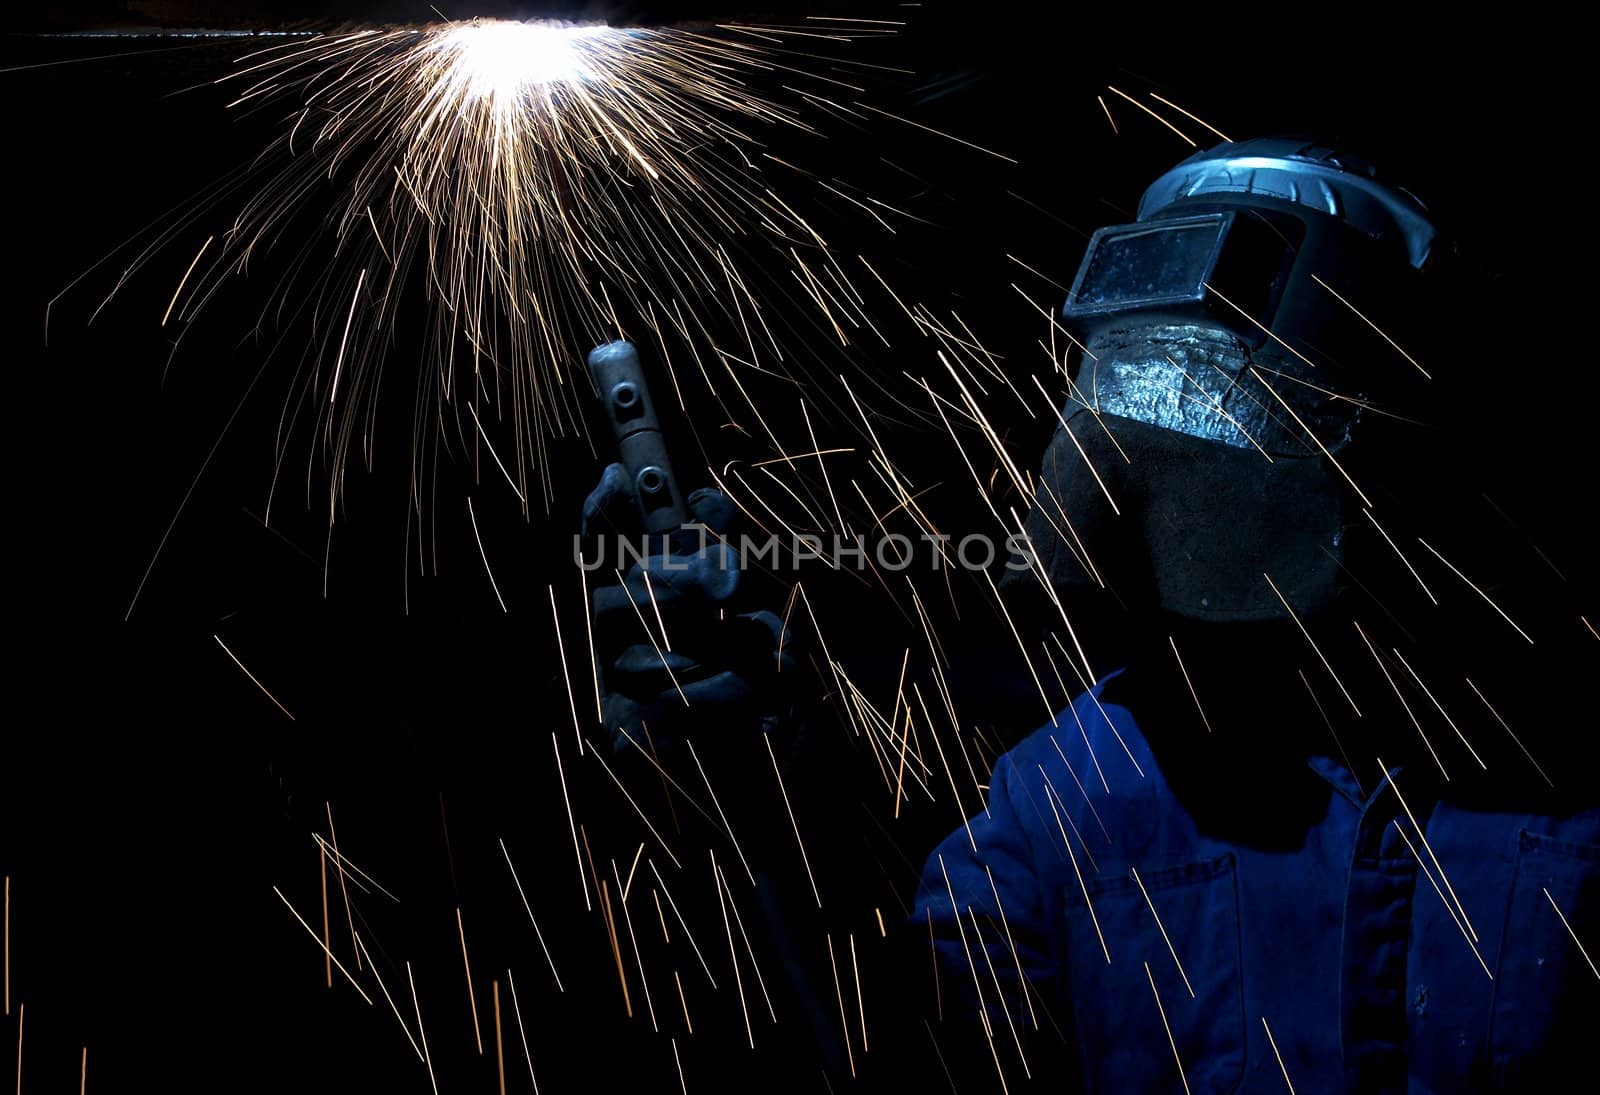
[{"x": 1226, "y": 268}]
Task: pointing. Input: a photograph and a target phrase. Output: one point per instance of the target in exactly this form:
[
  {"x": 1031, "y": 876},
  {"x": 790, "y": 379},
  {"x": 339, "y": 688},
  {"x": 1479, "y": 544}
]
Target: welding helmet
[{"x": 1232, "y": 339}]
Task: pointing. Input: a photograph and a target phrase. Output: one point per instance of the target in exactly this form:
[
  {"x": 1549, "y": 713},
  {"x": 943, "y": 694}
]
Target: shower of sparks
[{"x": 545, "y": 185}]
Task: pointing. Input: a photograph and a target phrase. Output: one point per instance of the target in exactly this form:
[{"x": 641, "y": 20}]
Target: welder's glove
[{"x": 718, "y": 669}]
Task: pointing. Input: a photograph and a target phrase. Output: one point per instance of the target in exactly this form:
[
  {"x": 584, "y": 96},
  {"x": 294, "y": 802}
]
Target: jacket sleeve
[{"x": 981, "y": 911}]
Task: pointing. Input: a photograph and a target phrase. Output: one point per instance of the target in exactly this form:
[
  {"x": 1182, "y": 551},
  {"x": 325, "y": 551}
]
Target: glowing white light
[{"x": 500, "y": 60}]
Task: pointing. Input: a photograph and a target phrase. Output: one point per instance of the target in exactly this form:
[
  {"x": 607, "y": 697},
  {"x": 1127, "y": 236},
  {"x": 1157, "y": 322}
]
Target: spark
[
  {"x": 1191, "y": 117},
  {"x": 939, "y": 133},
  {"x": 1054, "y": 797},
  {"x": 427, "y": 1058},
  {"x": 319, "y": 942},
  {"x": 1402, "y": 556},
  {"x": 8, "y": 945},
  {"x": 1181, "y": 134},
  {"x": 616, "y": 948},
  {"x": 499, "y": 1049},
  {"x": 1176, "y": 1059},
  {"x": 1273, "y": 1042},
  {"x": 522, "y": 1030},
  {"x": 484, "y": 555},
  {"x": 1463, "y": 928},
  {"x": 784, "y": 792},
  {"x": 176, "y": 293},
  {"x": 659, "y": 839},
  {"x": 1326, "y": 721},
  {"x": 343, "y": 889},
  {"x": 988, "y": 1031},
  {"x": 682, "y": 999},
  {"x": 1424, "y": 838},
  {"x": 682, "y": 923},
  {"x": 1307, "y": 431},
  {"x": 322, "y": 873},
  {"x": 954, "y": 792},
  {"x": 524, "y": 895},
  {"x": 1005, "y": 1008},
  {"x": 1079, "y": 446},
  {"x": 634, "y": 866},
  {"x": 733, "y": 956},
  {"x": 1373, "y": 325},
  {"x": 961, "y": 931},
  {"x": 338, "y": 365},
  {"x": 844, "y": 1019},
  {"x": 342, "y": 862},
  {"x": 1440, "y": 708},
  {"x": 1579, "y": 943},
  {"x": 1508, "y": 730},
  {"x": 252, "y": 677},
  {"x": 1101, "y": 100},
  {"x": 1005, "y": 925},
  {"x": 392, "y": 1007},
  {"x": 1315, "y": 648},
  {"x": 667, "y": 665},
  {"x": 1082, "y": 885},
  {"x": 726, "y": 825},
  {"x": 1388, "y": 677},
  {"x": 1476, "y": 590},
  {"x": 1134, "y": 871},
  {"x": 860, "y": 1004},
  {"x": 1192, "y": 693},
  {"x": 472, "y": 996},
  {"x": 594, "y": 664},
  {"x": 644, "y": 981},
  {"x": 561, "y": 648},
  {"x": 1087, "y": 801},
  {"x": 761, "y": 980}
]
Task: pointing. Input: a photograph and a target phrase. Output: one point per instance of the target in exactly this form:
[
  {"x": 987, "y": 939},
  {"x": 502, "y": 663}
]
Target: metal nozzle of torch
[{"x": 619, "y": 376}]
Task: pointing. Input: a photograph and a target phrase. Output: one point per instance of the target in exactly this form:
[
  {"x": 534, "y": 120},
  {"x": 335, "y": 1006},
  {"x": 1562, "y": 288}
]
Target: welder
[
  {"x": 1241, "y": 859},
  {"x": 1233, "y": 863}
]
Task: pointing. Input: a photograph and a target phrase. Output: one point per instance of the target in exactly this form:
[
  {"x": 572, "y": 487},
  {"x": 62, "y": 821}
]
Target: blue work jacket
[{"x": 1383, "y": 940}]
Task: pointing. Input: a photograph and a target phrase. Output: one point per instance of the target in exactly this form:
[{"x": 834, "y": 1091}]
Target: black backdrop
[{"x": 152, "y": 796}]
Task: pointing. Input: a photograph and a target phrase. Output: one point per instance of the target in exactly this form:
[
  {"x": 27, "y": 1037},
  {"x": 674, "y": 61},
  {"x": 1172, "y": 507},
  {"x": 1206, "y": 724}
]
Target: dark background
[{"x": 152, "y": 796}]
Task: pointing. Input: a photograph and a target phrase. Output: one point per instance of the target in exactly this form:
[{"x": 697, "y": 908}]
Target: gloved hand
[{"x": 717, "y": 670}]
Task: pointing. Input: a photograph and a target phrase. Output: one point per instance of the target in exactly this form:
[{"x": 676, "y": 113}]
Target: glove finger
[
  {"x": 766, "y": 646},
  {"x": 611, "y": 508},
  {"x": 713, "y": 509},
  {"x": 705, "y": 706},
  {"x": 644, "y": 672},
  {"x": 710, "y": 573},
  {"x": 624, "y": 615}
]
